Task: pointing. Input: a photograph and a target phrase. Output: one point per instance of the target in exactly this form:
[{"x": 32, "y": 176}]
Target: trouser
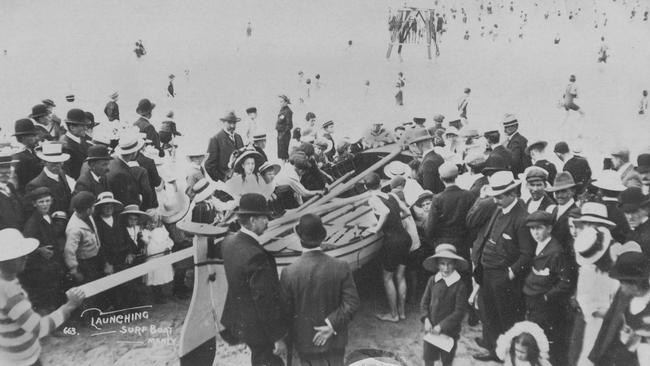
[
  {"x": 331, "y": 358},
  {"x": 283, "y": 145},
  {"x": 502, "y": 304},
  {"x": 262, "y": 355},
  {"x": 549, "y": 315},
  {"x": 432, "y": 353}
]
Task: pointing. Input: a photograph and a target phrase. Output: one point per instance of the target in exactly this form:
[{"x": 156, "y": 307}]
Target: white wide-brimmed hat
[
  {"x": 15, "y": 245},
  {"x": 396, "y": 169},
  {"x": 270, "y": 165},
  {"x": 133, "y": 210},
  {"x": 129, "y": 143},
  {"x": 445, "y": 251},
  {"x": 590, "y": 247},
  {"x": 107, "y": 197},
  {"x": 596, "y": 213},
  {"x": 205, "y": 188},
  {"x": 52, "y": 152},
  {"x": 609, "y": 180},
  {"x": 501, "y": 182}
]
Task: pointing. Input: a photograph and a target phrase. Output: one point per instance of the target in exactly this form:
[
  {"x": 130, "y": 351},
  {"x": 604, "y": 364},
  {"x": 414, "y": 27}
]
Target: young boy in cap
[
  {"x": 549, "y": 284},
  {"x": 444, "y": 302},
  {"x": 22, "y": 327},
  {"x": 320, "y": 298}
]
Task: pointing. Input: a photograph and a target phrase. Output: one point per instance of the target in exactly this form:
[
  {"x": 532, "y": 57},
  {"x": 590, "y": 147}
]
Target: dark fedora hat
[
  {"x": 230, "y": 117},
  {"x": 494, "y": 163},
  {"x": 631, "y": 266},
  {"x": 251, "y": 110},
  {"x": 419, "y": 120},
  {"x": 90, "y": 119},
  {"x": 69, "y": 98},
  {"x": 561, "y": 148},
  {"x": 76, "y": 116},
  {"x": 24, "y": 127},
  {"x": 537, "y": 145},
  {"x": 311, "y": 231},
  {"x": 253, "y": 204},
  {"x": 643, "y": 163},
  {"x": 564, "y": 180},
  {"x": 632, "y": 199},
  {"x": 98, "y": 152},
  {"x": 39, "y": 110},
  {"x": 539, "y": 218},
  {"x": 145, "y": 106}
]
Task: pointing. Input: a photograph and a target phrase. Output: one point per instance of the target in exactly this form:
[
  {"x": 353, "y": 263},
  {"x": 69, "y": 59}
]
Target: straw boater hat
[
  {"x": 327, "y": 124},
  {"x": 195, "y": 150},
  {"x": 48, "y": 102},
  {"x": 253, "y": 204},
  {"x": 445, "y": 251},
  {"x": 129, "y": 144},
  {"x": 52, "y": 152},
  {"x": 133, "y": 210},
  {"x": 609, "y": 180},
  {"x": 501, "y": 182},
  {"x": 452, "y": 131},
  {"x": 114, "y": 95},
  {"x": 509, "y": 120},
  {"x": 564, "y": 180},
  {"x": 203, "y": 189},
  {"x": 7, "y": 157},
  {"x": 438, "y": 118},
  {"x": 108, "y": 198},
  {"x": 230, "y": 117},
  {"x": 15, "y": 245},
  {"x": 596, "y": 213},
  {"x": 69, "y": 98},
  {"x": 396, "y": 168},
  {"x": 310, "y": 230},
  {"x": 419, "y": 120},
  {"x": 260, "y": 136},
  {"x": 269, "y": 165}
]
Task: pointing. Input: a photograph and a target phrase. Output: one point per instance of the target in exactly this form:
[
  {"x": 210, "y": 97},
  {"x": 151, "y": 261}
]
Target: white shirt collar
[
  {"x": 542, "y": 245},
  {"x": 73, "y": 137},
  {"x": 95, "y": 176},
  {"x": 507, "y": 209},
  {"x": 533, "y": 205},
  {"x": 449, "y": 280},
  {"x": 50, "y": 174},
  {"x": 561, "y": 209},
  {"x": 47, "y": 218},
  {"x": 251, "y": 234},
  {"x": 305, "y": 250}
]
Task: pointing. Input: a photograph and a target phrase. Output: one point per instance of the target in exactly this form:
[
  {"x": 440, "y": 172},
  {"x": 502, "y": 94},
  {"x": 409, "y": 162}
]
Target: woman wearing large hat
[{"x": 246, "y": 178}]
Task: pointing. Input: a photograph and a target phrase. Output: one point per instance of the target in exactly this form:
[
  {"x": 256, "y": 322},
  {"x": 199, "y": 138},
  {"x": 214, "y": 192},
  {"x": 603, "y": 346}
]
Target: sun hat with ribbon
[
  {"x": 501, "y": 182},
  {"x": 269, "y": 165},
  {"x": 174, "y": 206},
  {"x": 133, "y": 210},
  {"x": 15, "y": 245},
  {"x": 52, "y": 152},
  {"x": 244, "y": 154},
  {"x": 445, "y": 251},
  {"x": 105, "y": 198},
  {"x": 203, "y": 189}
]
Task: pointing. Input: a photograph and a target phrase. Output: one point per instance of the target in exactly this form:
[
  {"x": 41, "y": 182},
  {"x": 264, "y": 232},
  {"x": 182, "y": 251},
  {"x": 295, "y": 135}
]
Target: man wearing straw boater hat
[
  {"x": 515, "y": 143},
  {"x": 259, "y": 143},
  {"x": 75, "y": 142},
  {"x": 144, "y": 110},
  {"x": 502, "y": 256},
  {"x": 431, "y": 161},
  {"x": 130, "y": 184},
  {"x": 221, "y": 147},
  {"x": 112, "y": 110},
  {"x": 53, "y": 176},
  {"x": 23, "y": 326},
  {"x": 28, "y": 165},
  {"x": 321, "y": 297},
  {"x": 253, "y": 312},
  {"x": 93, "y": 179},
  {"x": 608, "y": 187},
  {"x": 11, "y": 208},
  {"x": 283, "y": 126}
]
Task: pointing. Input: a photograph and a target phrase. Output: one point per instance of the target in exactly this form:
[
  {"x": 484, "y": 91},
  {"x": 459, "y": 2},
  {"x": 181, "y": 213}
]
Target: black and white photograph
[{"x": 324, "y": 183}]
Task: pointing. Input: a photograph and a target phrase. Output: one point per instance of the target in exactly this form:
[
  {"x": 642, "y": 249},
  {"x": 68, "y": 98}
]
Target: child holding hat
[
  {"x": 444, "y": 302},
  {"x": 22, "y": 327}
]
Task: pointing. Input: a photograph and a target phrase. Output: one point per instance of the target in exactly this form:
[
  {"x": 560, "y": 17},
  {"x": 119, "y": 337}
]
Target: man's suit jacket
[
  {"x": 614, "y": 213},
  {"x": 151, "y": 134},
  {"x": 28, "y": 167},
  {"x": 429, "y": 172},
  {"x": 561, "y": 226},
  {"x": 61, "y": 192},
  {"x": 150, "y": 166},
  {"x": 504, "y": 153},
  {"x": 549, "y": 167},
  {"x": 129, "y": 183},
  {"x": 514, "y": 244},
  {"x": 315, "y": 287},
  {"x": 546, "y": 202},
  {"x": 253, "y": 311},
  {"x": 11, "y": 210},
  {"x": 478, "y": 184},
  {"x": 446, "y": 220},
  {"x": 78, "y": 153},
  {"x": 517, "y": 145},
  {"x": 87, "y": 183},
  {"x": 220, "y": 148}
]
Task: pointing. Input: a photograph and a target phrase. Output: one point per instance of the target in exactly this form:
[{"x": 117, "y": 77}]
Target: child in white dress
[{"x": 157, "y": 242}]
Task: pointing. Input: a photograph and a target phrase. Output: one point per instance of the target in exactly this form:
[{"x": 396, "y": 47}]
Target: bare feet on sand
[{"x": 387, "y": 317}]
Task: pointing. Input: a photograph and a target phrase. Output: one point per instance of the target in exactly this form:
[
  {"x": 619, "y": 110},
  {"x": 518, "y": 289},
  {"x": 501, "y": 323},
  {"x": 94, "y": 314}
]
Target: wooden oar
[
  {"x": 357, "y": 178},
  {"x": 317, "y": 210},
  {"x": 332, "y": 186}
]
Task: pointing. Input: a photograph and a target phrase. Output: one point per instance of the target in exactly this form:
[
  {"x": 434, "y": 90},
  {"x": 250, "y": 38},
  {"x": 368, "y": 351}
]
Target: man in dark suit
[
  {"x": 144, "y": 109},
  {"x": 564, "y": 191},
  {"x": 608, "y": 187},
  {"x": 536, "y": 180},
  {"x": 502, "y": 256},
  {"x": 516, "y": 144},
  {"x": 536, "y": 152},
  {"x": 74, "y": 142},
  {"x": 112, "y": 110},
  {"x": 129, "y": 184},
  {"x": 53, "y": 176},
  {"x": 93, "y": 179},
  {"x": 283, "y": 126},
  {"x": 636, "y": 207},
  {"x": 221, "y": 147},
  {"x": 253, "y": 312},
  {"x": 496, "y": 148},
  {"x": 320, "y": 298},
  {"x": 259, "y": 143},
  {"x": 28, "y": 165},
  {"x": 429, "y": 176},
  {"x": 11, "y": 208},
  {"x": 150, "y": 166},
  {"x": 576, "y": 165}
]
